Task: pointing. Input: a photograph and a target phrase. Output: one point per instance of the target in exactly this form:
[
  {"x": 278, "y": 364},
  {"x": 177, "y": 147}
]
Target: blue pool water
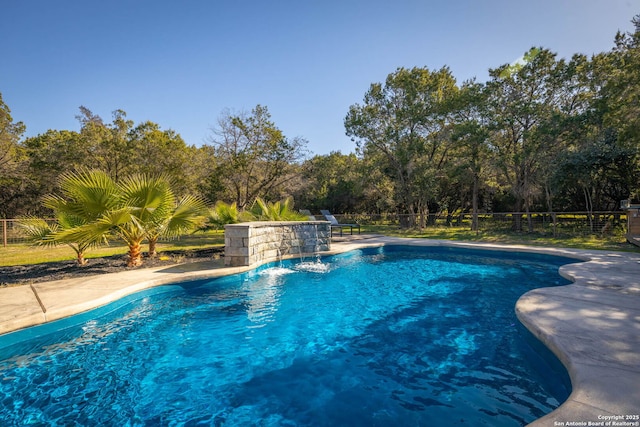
[{"x": 378, "y": 337}]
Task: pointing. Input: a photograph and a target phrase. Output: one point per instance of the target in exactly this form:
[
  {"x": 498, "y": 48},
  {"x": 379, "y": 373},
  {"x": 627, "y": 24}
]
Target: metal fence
[
  {"x": 556, "y": 223},
  {"x": 559, "y": 223},
  {"x": 13, "y": 233}
]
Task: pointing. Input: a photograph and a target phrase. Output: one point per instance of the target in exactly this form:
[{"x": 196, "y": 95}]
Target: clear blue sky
[{"x": 181, "y": 63}]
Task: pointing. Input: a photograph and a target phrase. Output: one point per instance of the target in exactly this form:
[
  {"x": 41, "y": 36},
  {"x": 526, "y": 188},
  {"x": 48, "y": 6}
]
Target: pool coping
[{"x": 592, "y": 325}]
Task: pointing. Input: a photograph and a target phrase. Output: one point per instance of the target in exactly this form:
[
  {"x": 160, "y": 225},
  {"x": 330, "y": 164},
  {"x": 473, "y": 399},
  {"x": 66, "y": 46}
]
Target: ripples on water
[{"x": 374, "y": 337}]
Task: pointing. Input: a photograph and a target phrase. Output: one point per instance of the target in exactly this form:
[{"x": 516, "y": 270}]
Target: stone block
[
  {"x": 236, "y": 261},
  {"x": 265, "y": 241},
  {"x": 234, "y": 243},
  {"x": 236, "y": 232},
  {"x": 235, "y": 251},
  {"x": 270, "y": 255}
]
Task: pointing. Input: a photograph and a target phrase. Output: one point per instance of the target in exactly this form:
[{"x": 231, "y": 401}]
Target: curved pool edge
[
  {"x": 592, "y": 325},
  {"x": 40, "y": 303}
]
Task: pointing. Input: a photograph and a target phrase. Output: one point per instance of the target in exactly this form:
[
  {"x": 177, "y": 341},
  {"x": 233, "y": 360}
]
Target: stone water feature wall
[{"x": 252, "y": 243}]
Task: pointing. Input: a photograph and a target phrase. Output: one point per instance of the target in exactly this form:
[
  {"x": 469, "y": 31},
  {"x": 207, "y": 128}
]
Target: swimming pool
[{"x": 385, "y": 336}]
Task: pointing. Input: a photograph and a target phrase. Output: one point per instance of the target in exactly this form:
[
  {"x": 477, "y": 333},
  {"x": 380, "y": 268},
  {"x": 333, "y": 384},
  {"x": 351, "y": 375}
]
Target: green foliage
[
  {"x": 275, "y": 211},
  {"x": 542, "y": 134},
  {"x": 255, "y": 158},
  {"x": 48, "y": 156},
  {"x": 514, "y": 68},
  {"x": 222, "y": 214},
  {"x": 119, "y": 148},
  {"x": 10, "y": 134},
  {"x": 85, "y": 196},
  {"x": 136, "y": 208},
  {"x": 335, "y": 182},
  {"x": 188, "y": 214},
  {"x": 402, "y": 130},
  {"x": 12, "y": 181},
  {"x": 39, "y": 231},
  {"x": 528, "y": 109},
  {"x": 163, "y": 152}
]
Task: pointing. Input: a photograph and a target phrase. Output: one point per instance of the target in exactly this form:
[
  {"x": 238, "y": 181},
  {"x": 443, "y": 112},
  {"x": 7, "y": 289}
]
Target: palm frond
[
  {"x": 86, "y": 194},
  {"x": 150, "y": 197},
  {"x": 98, "y": 231},
  {"x": 40, "y": 232},
  {"x": 187, "y": 215},
  {"x": 221, "y": 214},
  {"x": 276, "y": 211}
]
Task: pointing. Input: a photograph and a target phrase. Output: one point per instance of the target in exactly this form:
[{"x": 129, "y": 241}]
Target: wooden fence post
[{"x": 4, "y": 233}]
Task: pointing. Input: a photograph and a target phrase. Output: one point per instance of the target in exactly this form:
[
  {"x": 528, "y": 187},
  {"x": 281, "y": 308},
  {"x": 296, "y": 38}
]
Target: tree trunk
[
  {"x": 474, "y": 205},
  {"x": 424, "y": 212},
  {"x": 135, "y": 254},
  {"x": 517, "y": 216},
  {"x": 80, "y": 258},
  {"x": 152, "y": 247},
  {"x": 554, "y": 220},
  {"x": 589, "y": 206}
]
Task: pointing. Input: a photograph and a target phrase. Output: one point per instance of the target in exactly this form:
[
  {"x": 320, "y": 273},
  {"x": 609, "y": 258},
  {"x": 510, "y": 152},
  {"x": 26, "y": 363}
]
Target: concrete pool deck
[{"x": 592, "y": 325}]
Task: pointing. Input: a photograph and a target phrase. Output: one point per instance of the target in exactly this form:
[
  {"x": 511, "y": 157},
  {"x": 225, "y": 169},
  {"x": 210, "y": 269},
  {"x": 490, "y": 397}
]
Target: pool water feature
[{"x": 384, "y": 336}]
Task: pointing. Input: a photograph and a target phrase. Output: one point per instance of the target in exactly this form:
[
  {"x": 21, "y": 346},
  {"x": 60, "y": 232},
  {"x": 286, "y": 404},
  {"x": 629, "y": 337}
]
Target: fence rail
[
  {"x": 564, "y": 223},
  {"x": 13, "y": 233}
]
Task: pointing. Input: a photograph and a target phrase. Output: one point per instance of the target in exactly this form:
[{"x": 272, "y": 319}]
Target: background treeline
[{"x": 542, "y": 134}]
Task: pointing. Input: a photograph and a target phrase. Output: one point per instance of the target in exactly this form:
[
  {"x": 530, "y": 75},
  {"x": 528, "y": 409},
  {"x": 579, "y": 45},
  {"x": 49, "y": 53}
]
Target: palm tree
[
  {"x": 43, "y": 233},
  {"x": 150, "y": 202},
  {"x": 187, "y": 215},
  {"x": 139, "y": 207},
  {"x": 223, "y": 213},
  {"x": 94, "y": 198},
  {"x": 85, "y": 196},
  {"x": 277, "y": 211}
]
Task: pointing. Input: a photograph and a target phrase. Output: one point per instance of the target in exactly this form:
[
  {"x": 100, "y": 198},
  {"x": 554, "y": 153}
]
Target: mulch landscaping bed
[{"x": 46, "y": 272}]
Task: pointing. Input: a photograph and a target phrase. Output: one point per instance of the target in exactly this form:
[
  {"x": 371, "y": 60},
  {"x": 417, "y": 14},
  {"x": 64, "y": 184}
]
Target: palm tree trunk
[
  {"x": 135, "y": 254},
  {"x": 152, "y": 247},
  {"x": 79, "y": 255}
]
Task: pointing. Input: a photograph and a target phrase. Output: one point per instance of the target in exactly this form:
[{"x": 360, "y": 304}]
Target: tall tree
[
  {"x": 109, "y": 146},
  {"x": 254, "y": 157},
  {"x": 11, "y": 162},
  {"x": 523, "y": 99},
  {"x": 155, "y": 151},
  {"x": 49, "y": 156},
  {"x": 403, "y": 127},
  {"x": 10, "y": 134},
  {"x": 601, "y": 164},
  {"x": 623, "y": 90},
  {"x": 333, "y": 181},
  {"x": 471, "y": 135}
]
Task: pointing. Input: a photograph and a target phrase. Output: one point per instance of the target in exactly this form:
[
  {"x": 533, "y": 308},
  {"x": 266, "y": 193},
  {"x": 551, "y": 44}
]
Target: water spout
[
  {"x": 315, "y": 266},
  {"x": 316, "y": 252},
  {"x": 297, "y": 240}
]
